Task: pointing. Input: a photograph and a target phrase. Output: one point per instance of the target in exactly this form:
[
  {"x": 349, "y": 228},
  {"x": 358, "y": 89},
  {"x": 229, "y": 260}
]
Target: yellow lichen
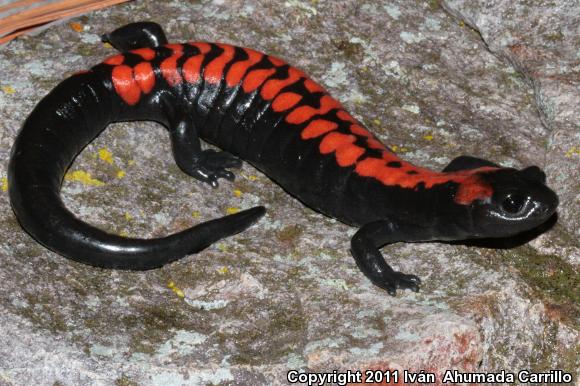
[
  {"x": 8, "y": 89},
  {"x": 121, "y": 174},
  {"x": 223, "y": 270},
  {"x": 4, "y": 184},
  {"x": 428, "y": 137},
  {"x": 175, "y": 289},
  {"x": 196, "y": 214},
  {"x": 83, "y": 177},
  {"x": 106, "y": 155},
  {"x": 128, "y": 216},
  {"x": 572, "y": 151},
  {"x": 237, "y": 193},
  {"x": 232, "y": 210}
]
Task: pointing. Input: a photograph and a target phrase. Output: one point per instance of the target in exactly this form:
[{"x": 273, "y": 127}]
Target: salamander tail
[
  {"x": 50, "y": 223},
  {"x": 59, "y": 127}
]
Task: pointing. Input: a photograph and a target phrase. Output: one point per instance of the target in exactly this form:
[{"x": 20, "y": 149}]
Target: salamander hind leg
[
  {"x": 365, "y": 246},
  {"x": 136, "y": 35},
  {"x": 205, "y": 165}
]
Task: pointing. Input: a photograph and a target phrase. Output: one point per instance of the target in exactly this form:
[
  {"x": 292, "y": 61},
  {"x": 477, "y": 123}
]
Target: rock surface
[{"x": 434, "y": 82}]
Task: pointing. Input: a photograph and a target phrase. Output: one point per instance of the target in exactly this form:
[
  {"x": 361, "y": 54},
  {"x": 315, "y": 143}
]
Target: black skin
[{"x": 78, "y": 109}]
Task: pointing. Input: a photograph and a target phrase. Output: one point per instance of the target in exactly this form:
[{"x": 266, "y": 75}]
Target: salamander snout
[{"x": 521, "y": 201}]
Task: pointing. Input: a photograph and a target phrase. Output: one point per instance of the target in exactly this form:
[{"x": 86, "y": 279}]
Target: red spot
[
  {"x": 191, "y": 68},
  {"x": 312, "y": 86},
  {"x": 238, "y": 69},
  {"x": 115, "y": 60},
  {"x": 344, "y": 116},
  {"x": 203, "y": 47},
  {"x": 346, "y": 152},
  {"x": 255, "y": 79},
  {"x": 169, "y": 69},
  {"x": 389, "y": 156},
  {"x": 375, "y": 144},
  {"x": 145, "y": 53},
  {"x": 125, "y": 84},
  {"x": 273, "y": 86},
  {"x": 471, "y": 189},
  {"x": 214, "y": 71},
  {"x": 285, "y": 101},
  {"x": 176, "y": 48},
  {"x": 304, "y": 113},
  {"x": 276, "y": 61},
  {"x": 333, "y": 141},
  {"x": 359, "y": 130},
  {"x": 318, "y": 127},
  {"x": 370, "y": 167},
  {"x": 347, "y": 155},
  {"x": 144, "y": 76}
]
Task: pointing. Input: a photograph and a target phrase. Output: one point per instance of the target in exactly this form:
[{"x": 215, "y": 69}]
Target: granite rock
[{"x": 432, "y": 82}]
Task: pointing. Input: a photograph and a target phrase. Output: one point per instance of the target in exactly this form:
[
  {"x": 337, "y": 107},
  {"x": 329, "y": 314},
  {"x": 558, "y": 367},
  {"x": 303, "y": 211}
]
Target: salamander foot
[
  {"x": 400, "y": 280},
  {"x": 212, "y": 166}
]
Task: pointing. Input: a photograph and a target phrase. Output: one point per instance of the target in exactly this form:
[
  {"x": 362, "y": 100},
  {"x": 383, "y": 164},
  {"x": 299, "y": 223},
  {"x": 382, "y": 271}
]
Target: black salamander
[{"x": 257, "y": 108}]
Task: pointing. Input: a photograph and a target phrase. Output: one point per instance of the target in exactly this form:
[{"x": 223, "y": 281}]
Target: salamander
[{"x": 260, "y": 109}]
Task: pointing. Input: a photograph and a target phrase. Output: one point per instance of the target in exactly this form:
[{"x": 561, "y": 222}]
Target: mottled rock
[
  {"x": 541, "y": 40},
  {"x": 286, "y": 294}
]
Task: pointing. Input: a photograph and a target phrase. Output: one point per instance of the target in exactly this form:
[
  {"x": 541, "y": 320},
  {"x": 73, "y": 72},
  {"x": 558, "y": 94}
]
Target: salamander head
[{"x": 520, "y": 201}]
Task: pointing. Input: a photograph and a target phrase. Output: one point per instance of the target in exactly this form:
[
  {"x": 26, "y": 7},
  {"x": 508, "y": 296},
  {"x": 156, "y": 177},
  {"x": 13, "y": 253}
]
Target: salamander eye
[{"x": 513, "y": 203}]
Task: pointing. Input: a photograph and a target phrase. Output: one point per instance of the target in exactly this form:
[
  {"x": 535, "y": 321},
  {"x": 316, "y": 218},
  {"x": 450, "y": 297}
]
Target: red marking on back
[
  {"x": 214, "y": 70},
  {"x": 285, "y": 101},
  {"x": 169, "y": 68},
  {"x": 333, "y": 141},
  {"x": 238, "y": 69},
  {"x": 273, "y": 86},
  {"x": 359, "y": 130},
  {"x": 203, "y": 47},
  {"x": 312, "y": 86},
  {"x": 471, "y": 186},
  {"x": 471, "y": 189},
  {"x": 125, "y": 84},
  {"x": 176, "y": 48},
  {"x": 145, "y": 53},
  {"x": 255, "y": 79},
  {"x": 276, "y": 61},
  {"x": 346, "y": 152},
  {"x": 347, "y": 155},
  {"x": 345, "y": 116},
  {"x": 375, "y": 144},
  {"x": 317, "y": 128},
  {"x": 115, "y": 60},
  {"x": 192, "y": 67},
  {"x": 303, "y": 113},
  {"x": 145, "y": 76}
]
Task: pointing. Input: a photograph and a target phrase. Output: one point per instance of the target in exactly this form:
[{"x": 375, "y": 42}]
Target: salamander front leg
[
  {"x": 205, "y": 165},
  {"x": 365, "y": 246}
]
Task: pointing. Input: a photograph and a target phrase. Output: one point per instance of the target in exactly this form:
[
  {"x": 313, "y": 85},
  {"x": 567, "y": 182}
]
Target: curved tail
[{"x": 59, "y": 127}]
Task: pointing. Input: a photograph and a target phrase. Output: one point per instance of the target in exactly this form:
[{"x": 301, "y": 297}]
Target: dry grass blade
[{"x": 24, "y": 21}]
